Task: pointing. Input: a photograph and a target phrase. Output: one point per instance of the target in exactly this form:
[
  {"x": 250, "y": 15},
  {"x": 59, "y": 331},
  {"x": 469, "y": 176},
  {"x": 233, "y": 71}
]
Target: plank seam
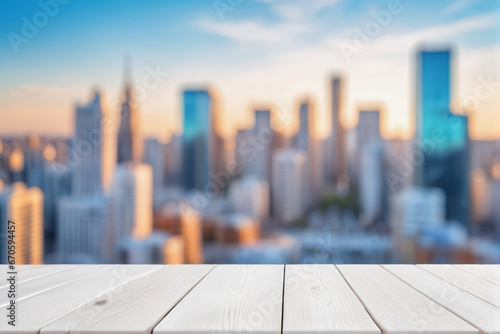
[
  {"x": 187, "y": 293},
  {"x": 435, "y": 301},
  {"x": 95, "y": 298},
  {"x": 283, "y": 299},
  {"x": 472, "y": 273},
  {"x": 359, "y": 298},
  {"x": 460, "y": 288}
]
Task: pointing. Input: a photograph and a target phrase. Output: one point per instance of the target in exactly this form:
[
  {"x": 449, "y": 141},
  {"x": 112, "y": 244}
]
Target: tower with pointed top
[{"x": 129, "y": 143}]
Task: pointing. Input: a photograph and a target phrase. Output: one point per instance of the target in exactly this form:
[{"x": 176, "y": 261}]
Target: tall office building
[
  {"x": 94, "y": 154},
  {"x": 133, "y": 201},
  {"x": 305, "y": 141},
  {"x": 55, "y": 186},
  {"x": 262, "y": 138},
  {"x": 83, "y": 229},
  {"x": 154, "y": 155},
  {"x": 371, "y": 182},
  {"x": 289, "y": 179},
  {"x": 367, "y": 130},
  {"x": 441, "y": 135},
  {"x": 129, "y": 145},
  {"x": 173, "y": 162},
  {"x": 23, "y": 206},
  {"x": 85, "y": 217},
  {"x": 338, "y": 131},
  {"x": 198, "y": 138}
]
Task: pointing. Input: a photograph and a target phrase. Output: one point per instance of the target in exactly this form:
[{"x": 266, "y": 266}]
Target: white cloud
[
  {"x": 299, "y": 9},
  {"x": 253, "y": 31},
  {"x": 456, "y": 6}
]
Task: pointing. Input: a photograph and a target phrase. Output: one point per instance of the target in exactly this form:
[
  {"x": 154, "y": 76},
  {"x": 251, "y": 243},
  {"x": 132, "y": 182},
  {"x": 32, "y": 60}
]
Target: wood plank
[
  {"x": 28, "y": 288},
  {"x": 464, "y": 280},
  {"x": 398, "y": 308},
  {"x": 231, "y": 299},
  {"x": 39, "y": 310},
  {"x": 136, "y": 306},
  {"x": 318, "y": 300},
  {"x": 488, "y": 273},
  {"x": 29, "y": 272},
  {"x": 475, "y": 311}
]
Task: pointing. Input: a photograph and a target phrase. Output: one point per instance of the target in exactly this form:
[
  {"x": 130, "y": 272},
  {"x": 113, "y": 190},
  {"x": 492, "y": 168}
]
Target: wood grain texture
[
  {"x": 41, "y": 309},
  {"x": 29, "y": 272},
  {"x": 318, "y": 300},
  {"x": 398, "y": 308},
  {"x": 488, "y": 273},
  {"x": 477, "y": 312},
  {"x": 466, "y": 281},
  {"x": 28, "y": 288},
  {"x": 135, "y": 307},
  {"x": 231, "y": 299}
]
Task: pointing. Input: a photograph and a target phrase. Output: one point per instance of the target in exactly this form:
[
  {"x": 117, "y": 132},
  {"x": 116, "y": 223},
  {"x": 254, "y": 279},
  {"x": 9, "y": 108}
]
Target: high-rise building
[
  {"x": 441, "y": 135},
  {"x": 338, "y": 131},
  {"x": 129, "y": 145},
  {"x": 306, "y": 141},
  {"x": 154, "y": 152},
  {"x": 133, "y": 201},
  {"x": 260, "y": 147},
  {"x": 83, "y": 229},
  {"x": 55, "y": 186},
  {"x": 367, "y": 130},
  {"x": 173, "y": 162},
  {"x": 289, "y": 179},
  {"x": 23, "y": 206},
  {"x": 198, "y": 138},
  {"x": 371, "y": 182},
  {"x": 93, "y": 153}
]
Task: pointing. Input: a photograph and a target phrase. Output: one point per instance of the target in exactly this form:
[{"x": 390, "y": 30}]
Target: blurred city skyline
[
  {"x": 253, "y": 54},
  {"x": 326, "y": 131}
]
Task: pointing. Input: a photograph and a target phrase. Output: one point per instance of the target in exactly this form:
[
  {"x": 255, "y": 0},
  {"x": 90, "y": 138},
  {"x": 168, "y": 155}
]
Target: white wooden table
[{"x": 254, "y": 299}]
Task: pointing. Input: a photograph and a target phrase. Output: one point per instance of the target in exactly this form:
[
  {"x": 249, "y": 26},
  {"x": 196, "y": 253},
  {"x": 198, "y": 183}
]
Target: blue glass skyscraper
[
  {"x": 441, "y": 135},
  {"x": 197, "y": 138}
]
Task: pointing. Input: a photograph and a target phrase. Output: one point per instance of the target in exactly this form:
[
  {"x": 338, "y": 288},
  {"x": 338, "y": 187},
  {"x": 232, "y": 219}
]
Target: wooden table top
[{"x": 263, "y": 299}]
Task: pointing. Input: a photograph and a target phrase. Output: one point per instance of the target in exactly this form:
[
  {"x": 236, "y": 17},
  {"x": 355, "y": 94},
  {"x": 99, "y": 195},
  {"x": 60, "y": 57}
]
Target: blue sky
[{"x": 270, "y": 52}]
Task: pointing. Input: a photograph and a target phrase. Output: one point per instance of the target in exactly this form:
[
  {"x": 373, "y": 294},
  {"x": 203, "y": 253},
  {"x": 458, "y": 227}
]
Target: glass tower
[
  {"x": 197, "y": 138},
  {"x": 441, "y": 135}
]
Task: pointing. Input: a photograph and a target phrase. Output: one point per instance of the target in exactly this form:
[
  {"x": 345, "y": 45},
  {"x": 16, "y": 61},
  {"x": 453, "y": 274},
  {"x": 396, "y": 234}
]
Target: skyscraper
[
  {"x": 197, "y": 138},
  {"x": 261, "y": 139},
  {"x": 371, "y": 182},
  {"x": 24, "y": 206},
  {"x": 154, "y": 155},
  {"x": 129, "y": 143},
  {"x": 93, "y": 153},
  {"x": 289, "y": 179},
  {"x": 367, "y": 130},
  {"x": 133, "y": 202},
  {"x": 305, "y": 141},
  {"x": 441, "y": 135},
  {"x": 340, "y": 160},
  {"x": 85, "y": 217}
]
